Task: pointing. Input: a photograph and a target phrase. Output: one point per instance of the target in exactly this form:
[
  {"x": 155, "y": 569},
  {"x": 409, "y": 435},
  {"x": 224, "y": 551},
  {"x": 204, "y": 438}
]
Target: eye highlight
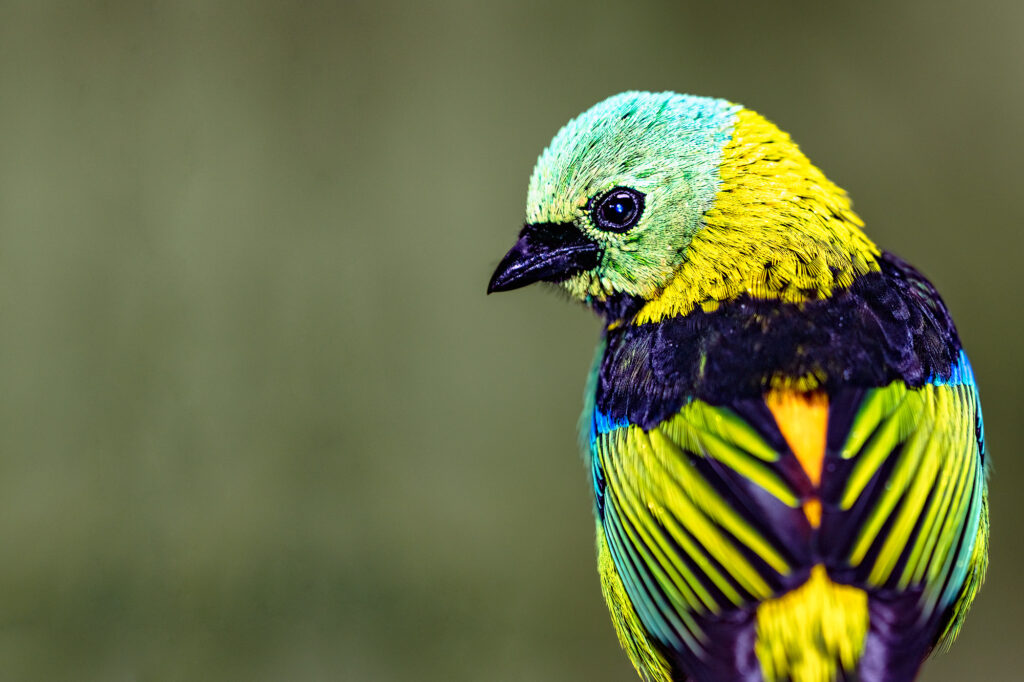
[{"x": 618, "y": 209}]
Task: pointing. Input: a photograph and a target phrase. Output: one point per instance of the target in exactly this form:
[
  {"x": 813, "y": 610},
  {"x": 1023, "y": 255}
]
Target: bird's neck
[{"x": 778, "y": 230}]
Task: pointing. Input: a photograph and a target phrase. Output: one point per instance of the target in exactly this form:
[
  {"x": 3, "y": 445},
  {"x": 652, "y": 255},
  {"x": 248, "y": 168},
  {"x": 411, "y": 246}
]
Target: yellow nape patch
[
  {"x": 808, "y": 634},
  {"x": 778, "y": 230},
  {"x": 803, "y": 421}
]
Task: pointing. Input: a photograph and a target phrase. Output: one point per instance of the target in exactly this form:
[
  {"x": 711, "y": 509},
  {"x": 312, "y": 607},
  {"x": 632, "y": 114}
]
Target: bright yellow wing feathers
[{"x": 682, "y": 541}]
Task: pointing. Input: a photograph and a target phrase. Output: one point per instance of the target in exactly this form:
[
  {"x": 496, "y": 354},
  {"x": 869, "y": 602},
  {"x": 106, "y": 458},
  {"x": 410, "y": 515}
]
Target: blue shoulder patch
[
  {"x": 604, "y": 423},
  {"x": 959, "y": 374}
]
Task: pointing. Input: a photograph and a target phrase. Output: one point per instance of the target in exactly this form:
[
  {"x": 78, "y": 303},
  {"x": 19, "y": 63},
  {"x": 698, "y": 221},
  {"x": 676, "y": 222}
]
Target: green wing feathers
[
  {"x": 702, "y": 518},
  {"x": 685, "y": 530},
  {"x": 913, "y": 497}
]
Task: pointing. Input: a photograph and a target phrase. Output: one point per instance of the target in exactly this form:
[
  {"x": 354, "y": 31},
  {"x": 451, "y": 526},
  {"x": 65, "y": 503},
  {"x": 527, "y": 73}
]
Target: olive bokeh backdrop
[{"x": 258, "y": 420}]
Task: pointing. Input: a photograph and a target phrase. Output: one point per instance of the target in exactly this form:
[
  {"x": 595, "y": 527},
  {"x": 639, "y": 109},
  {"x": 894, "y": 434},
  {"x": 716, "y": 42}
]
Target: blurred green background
[{"x": 259, "y": 421}]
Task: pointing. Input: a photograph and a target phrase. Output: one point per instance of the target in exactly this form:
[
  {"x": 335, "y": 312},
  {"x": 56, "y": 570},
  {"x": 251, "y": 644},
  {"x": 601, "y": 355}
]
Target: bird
[{"x": 782, "y": 429}]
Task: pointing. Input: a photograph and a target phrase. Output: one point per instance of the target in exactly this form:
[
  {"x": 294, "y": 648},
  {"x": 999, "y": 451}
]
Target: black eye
[{"x": 619, "y": 209}]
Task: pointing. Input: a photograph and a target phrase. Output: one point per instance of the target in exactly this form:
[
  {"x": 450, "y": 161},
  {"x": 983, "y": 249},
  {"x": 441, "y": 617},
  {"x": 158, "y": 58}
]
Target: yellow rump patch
[
  {"x": 803, "y": 420},
  {"x": 806, "y": 634}
]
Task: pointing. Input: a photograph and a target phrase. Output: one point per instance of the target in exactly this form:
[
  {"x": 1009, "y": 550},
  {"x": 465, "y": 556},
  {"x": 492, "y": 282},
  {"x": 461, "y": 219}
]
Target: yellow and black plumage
[{"x": 783, "y": 430}]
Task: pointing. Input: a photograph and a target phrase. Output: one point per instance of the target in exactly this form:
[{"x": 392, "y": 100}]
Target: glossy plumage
[{"x": 783, "y": 431}]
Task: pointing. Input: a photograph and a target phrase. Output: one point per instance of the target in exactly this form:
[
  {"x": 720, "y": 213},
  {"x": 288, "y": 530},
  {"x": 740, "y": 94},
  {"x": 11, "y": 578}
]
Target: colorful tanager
[{"x": 782, "y": 429}]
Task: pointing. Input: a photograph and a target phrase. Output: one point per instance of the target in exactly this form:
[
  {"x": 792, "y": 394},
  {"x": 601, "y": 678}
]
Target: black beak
[{"x": 549, "y": 252}]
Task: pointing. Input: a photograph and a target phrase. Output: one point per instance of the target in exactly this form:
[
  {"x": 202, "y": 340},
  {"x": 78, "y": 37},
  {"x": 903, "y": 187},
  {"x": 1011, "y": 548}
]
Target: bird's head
[{"x": 672, "y": 201}]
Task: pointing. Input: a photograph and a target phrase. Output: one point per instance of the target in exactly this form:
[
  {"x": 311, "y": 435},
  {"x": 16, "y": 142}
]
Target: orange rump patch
[{"x": 803, "y": 421}]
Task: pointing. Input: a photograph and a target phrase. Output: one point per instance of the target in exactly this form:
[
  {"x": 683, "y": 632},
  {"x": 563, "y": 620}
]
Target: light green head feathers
[
  {"x": 705, "y": 201},
  {"x": 665, "y": 145}
]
